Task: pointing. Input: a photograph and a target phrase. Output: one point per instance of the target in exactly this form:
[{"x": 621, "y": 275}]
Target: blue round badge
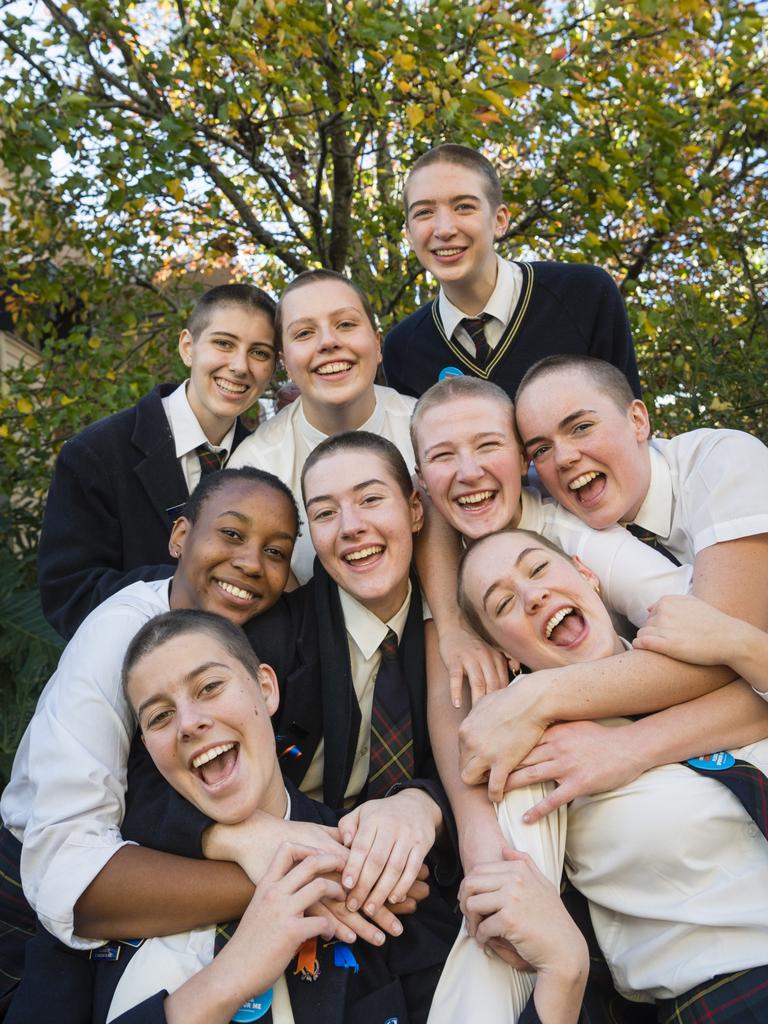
[
  {"x": 254, "y": 1009},
  {"x": 449, "y": 371},
  {"x": 713, "y": 762}
]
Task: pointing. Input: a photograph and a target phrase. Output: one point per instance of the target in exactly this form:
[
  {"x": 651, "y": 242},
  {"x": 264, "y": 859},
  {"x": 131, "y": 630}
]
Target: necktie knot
[
  {"x": 388, "y": 646},
  {"x": 475, "y": 328},
  {"x": 209, "y": 460}
]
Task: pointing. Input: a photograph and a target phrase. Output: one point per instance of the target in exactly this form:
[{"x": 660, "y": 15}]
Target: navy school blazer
[{"x": 117, "y": 487}]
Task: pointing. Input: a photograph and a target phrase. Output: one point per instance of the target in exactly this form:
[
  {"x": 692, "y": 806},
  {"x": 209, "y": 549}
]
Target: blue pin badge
[
  {"x": 344, "y": 957},
  {"x": 254, "y": 1009},
  {"x": 713, "y": 762},
  {"x": 449, "y": 371}
]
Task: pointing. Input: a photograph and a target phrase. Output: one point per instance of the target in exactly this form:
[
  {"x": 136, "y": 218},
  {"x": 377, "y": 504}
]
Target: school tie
[
  {"x": 748, "y": 785},
  {"x": 210, "y": 461},
  {"x": 649, "y": 538},
  {"x": 391, "y": 725},
  {"x": 475, "y": 328}
]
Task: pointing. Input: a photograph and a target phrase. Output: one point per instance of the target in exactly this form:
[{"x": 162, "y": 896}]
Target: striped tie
[
  {"x": 391, "y": 725},
  {"x": 748, "y": 785},
  {"x": 210, "y": 461},
  {"x": 652, "y": 541},
  {"x": 475, "y": 328}
]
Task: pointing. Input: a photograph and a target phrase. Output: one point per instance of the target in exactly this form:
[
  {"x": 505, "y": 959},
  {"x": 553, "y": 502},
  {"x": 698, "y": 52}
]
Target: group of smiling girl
[{"x": 202, "y": 703}]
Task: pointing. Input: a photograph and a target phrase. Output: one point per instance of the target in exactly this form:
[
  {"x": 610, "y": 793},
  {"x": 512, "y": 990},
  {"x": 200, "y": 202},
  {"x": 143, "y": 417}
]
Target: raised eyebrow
[{"x": 188, "y": 678}]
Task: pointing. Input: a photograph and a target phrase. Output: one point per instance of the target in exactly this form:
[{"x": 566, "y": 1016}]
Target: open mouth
[
  {"x": 230, "y": 387},
  {"x": 565, "y": 628},
  {"x": 588, "y": 487},
  {"x": 239, "y": 593},
  {"x": 364, "y": 556},
  {"x": 329, "y": 369},
  {"x": 478, "y": 501},
  {"x": 215, "y": 765}
]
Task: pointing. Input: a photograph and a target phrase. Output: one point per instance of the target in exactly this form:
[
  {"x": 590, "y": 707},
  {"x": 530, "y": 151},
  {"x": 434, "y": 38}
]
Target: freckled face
[
  {"x": 235, "y": 559},
  {"x": 591, "y": 456},
  {"x": 362, "y": 527},
  {"x": 471, "y": 465},
  {"x": 540, "y": 607},
  {"x": 206, "y": 724}
]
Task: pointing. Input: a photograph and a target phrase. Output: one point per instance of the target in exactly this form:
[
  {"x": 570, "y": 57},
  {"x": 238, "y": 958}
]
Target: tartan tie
[
  {"x": 748, "y": 785},
  {"x": 652, "y": 541},
  {"x": 210, "y": 461},
  {"x": 475, "y": 328},
  {"x": 391, "y": 726}
]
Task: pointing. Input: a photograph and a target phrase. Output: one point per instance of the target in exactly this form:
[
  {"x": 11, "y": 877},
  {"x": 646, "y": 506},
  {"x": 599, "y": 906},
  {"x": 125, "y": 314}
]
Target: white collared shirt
[
  {"x": 66, "y": 797},
  {"x": 188, "y": 435},
  {"x": 707, "y": 486},
  {"x": 282, "y": 444},
  {"x": 632, "y": 575},
  {"x": 365, "y": 633},
  {"x": 499, "y": 307}
]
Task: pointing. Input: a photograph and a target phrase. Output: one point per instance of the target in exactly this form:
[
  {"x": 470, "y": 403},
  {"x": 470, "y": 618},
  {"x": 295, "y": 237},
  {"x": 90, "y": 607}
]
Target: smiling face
[
  {"x": 451, "y": 225},
  {"x": 206, "y": 724},
  {"x": 591, "y": 455},
  {"x": 362, "y": 527},
  {"x": 470, "y": 463},
  {"x": 235, "y": 558},
  {"x": 541, "y": 608},
  {"x": 231, "y": 362},
  {"x": 331, "y": 351}
]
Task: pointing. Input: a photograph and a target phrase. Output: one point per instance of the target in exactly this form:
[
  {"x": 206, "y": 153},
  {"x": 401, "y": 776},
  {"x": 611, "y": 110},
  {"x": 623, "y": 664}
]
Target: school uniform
[
  {"x": 117, "y": 487},
  {"x": 537, "y": 309},
  {"x": 323, "y": 720},
  {"x": 282, "y": 444},
  {"x": 393, "y": 982}
]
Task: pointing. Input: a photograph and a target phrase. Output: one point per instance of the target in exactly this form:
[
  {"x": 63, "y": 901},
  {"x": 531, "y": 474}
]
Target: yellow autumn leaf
[
  {"x": 403, "y": 85},
  {"x": 406, "y": 61},
  {"x": 718, "y": 405},
  {"x": 415, "y": 114},
  {"x": 29, "y": 422},
  {"x": 597, "y": 160},
  {"x": 66, "y": 400},
  {"x": 94, "y": 343},
  {"x": 4, "y": 432},
  {"x": 110, "y": 375},
  {"x": 518, "y": 88},
  {"x": 175, "y": 189},
  {"x": 23, "y": 405}
]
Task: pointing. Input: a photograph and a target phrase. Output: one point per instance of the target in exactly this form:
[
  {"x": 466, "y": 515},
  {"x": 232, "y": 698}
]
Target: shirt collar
[
  {"x": 655, "y": 514},
  {"x": 313, "y": 436},
  {"x": 185, "y": 427},
  {"x": 499, "y": 305},
  {"x": 365, "y": 628}
]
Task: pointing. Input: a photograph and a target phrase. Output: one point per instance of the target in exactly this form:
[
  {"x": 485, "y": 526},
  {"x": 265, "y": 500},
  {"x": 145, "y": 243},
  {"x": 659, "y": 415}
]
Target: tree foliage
[{"x": 145, "y": 140}]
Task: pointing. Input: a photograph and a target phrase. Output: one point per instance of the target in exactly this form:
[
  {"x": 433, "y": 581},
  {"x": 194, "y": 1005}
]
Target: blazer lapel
[
  {"x": 323, "y": 1001},
  {"x": 341, "y": 713},
  {"x": 159, "y": 471}
]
